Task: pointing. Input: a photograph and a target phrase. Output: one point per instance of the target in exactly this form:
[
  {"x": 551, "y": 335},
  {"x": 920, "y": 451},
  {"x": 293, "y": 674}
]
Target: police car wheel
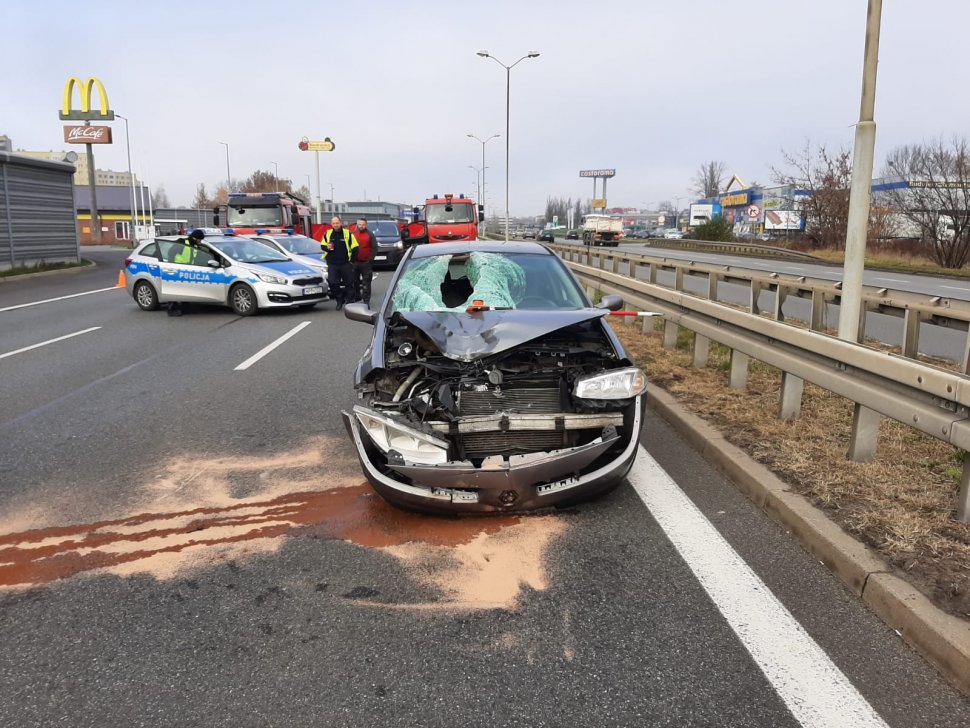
[
  {"x": 242, "y": 299},
  {"x": 145, "y": 296}
]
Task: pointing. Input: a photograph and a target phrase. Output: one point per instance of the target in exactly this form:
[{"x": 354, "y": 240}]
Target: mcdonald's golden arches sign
[{"x": 85, "y": 89}]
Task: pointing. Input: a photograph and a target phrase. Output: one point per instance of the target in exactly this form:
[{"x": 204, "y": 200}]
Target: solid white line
[
  {"x": 60, "y": 298},
  {"x": 892, "y": 280},
  {"x": 51, "y": 341},
  {"x": 964, "y": 289},
  {"x": 266, "y": 350},
  {"x": 816, "y": 692}
]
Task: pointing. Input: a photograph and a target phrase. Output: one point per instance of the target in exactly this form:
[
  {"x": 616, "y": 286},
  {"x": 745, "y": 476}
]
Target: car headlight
[
  {"x": 614, "y": 384},
  {"x": 413, "y": 445},
  {"x": 267, "y": 278},
  {"x": 399, "y": 245}
]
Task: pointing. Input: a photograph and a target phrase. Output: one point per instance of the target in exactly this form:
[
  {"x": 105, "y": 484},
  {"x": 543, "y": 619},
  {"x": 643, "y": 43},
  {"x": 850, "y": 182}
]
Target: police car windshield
[
  {"x": 299, "y": 244},
  {"x": 247, "y": 251}
]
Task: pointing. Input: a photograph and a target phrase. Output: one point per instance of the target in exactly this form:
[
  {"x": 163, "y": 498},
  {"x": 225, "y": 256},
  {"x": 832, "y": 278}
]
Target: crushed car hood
[{"x": 469, "y": 336}]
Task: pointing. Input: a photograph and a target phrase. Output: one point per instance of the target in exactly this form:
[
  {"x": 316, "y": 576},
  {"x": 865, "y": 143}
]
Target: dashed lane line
[
  {"x": 267, "y": 349},
  {"x": 49, "y": 341},
  {"x": 59, "y": 298}
]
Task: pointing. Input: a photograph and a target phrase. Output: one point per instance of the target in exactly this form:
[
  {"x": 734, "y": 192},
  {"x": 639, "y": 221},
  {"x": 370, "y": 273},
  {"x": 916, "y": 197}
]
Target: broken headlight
[
  {"x": 390, "y": 435},
  {"x": 613, "y": 384}
]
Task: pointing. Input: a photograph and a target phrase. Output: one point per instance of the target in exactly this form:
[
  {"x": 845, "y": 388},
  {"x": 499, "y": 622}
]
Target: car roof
[{"x": 482, "y": 246}]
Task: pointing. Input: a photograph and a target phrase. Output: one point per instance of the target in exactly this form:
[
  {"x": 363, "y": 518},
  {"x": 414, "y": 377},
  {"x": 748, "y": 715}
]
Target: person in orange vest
[
  {"x": 340, "y": 251},
  {"x": 364, "y": 267}
]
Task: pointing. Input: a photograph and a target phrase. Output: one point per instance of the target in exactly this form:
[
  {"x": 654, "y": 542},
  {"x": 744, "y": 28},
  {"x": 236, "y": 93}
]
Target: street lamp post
[
  {"x": 131, "y": 178},
  {"x": 228, "y": 175},
  {"x": 508, "y": 87},
  {"x": 276, "y": 174},
  {"x": 479, "y": 180},
  {"x": 483, "y": 191}
]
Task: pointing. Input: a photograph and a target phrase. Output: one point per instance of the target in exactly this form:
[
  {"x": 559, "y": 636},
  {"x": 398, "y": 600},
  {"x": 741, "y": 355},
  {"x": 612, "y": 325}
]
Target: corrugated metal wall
[{"x": 37, "y": 218}]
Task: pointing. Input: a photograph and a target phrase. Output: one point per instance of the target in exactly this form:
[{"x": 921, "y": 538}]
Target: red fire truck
[
  {"x": 247, "y": 212},
  {"x": 444, "y": 219}
]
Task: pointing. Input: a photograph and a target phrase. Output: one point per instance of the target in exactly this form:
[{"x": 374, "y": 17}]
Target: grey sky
[{"x": 650, "y": 88}]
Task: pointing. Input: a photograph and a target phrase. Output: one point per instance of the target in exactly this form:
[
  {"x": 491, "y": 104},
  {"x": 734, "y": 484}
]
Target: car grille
[
  {"x": 316, "y": 281},
  {"x": 527, "y": 399},
  {"x": 483, "y": 444}
]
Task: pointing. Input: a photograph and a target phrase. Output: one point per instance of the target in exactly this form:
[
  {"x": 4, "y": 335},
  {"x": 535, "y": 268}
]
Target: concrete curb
[
  {"x": 41, "y": 274},
  {"x": 944, "y": 640}
]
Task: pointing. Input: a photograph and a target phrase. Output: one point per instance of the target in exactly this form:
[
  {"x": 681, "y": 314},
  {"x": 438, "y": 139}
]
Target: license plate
[
  {"x": 380, "y": 257},
  {"x": 312, "y": 291}
]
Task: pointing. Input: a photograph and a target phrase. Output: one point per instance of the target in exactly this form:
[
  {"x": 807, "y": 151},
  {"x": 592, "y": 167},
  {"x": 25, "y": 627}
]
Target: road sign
[
  {"x": 753, "y": 211},
  {"x": 597, "y": 173},
  {"x": 598, "y": 204},
  {"x": 325, "y": 146}
]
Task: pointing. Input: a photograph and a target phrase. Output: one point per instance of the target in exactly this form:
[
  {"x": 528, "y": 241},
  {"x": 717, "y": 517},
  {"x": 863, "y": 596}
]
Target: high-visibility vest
[
  {"x": 188, "y": 254},
  {"x": 349, "y": 240}
]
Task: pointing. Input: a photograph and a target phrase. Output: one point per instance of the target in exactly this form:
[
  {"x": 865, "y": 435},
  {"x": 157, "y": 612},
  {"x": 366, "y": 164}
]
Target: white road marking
[
  {"x": 60, "y": 298},
  {"x": 816, "y": 692},
  {"x": 891, "y": 280},
  {"x": 963, "y": 289},
  {"x": 267, "y": 349},
  {"x": 50, "y": 341}
]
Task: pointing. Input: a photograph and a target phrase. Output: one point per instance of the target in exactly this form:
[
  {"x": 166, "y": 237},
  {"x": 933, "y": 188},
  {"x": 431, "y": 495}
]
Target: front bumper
[
  {"x": 388, "y": 256},
  {"x": 521, "y": 483},
  {"x": 272, "y": 295}
]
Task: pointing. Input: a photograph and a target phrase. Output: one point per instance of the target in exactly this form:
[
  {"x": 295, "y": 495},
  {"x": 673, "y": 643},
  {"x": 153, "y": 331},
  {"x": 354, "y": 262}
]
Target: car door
[{"x": 194, "y": 281}]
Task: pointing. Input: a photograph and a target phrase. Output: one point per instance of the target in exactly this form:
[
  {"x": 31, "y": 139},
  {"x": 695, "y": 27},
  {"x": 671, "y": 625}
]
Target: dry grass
[
  {"x": 901, "y": 504},
  {"x": 895, "y": 261}
]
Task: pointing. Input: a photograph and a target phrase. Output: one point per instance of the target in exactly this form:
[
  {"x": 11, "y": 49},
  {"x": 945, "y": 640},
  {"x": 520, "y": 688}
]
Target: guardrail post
[
  {"x": 712, "y": 280},
  {"x": 791, "y": 396},
  {"x": 671, "y": 330},
  {"x": 963, "y": 498},
  {"x": 865, "y": 434},
  {"x": 911, "y": 333},
  {"x": 653, "y": 273},
  {"x": 755, "y": 293},
  {"x": 781, "y": 293},
  {"x": 648, "y": 324},
  {"x": 678, "y": 278},
  {"x": 702, "y": 348},
  {"x": 966, "y": 354},
  {"x": 818, "y": 310},
  {"x": 739, "y": 369}
]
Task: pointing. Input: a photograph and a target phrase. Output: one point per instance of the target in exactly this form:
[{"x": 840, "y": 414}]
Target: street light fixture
[
  {"x": 228, "y": 175},
  {"x": 483, "y": 192},
  {"x": 508, "y": 84},
  {"x": 131, "y": 178}
]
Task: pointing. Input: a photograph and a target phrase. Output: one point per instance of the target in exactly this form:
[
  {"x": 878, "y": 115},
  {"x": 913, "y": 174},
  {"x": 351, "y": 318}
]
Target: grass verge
[
  {"x": 900, "y": 263},
  {"x": 41, "y": 267},
  {"x": 901, "y": 504}
]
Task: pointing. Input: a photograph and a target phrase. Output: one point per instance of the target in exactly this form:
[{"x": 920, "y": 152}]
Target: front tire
[
  {"x": 242, "y": 300},
  {"x": 145, "y": 296}
]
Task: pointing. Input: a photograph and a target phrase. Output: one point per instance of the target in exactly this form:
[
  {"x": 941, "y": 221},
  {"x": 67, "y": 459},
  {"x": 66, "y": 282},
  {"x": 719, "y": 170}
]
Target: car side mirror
[
  {"x": 360, "y": 312},
  {"x": 215, "y": 216},
  {"x": 611, "y": 302},
  {"x": 213, "y": 263},
  {"x": 405, "y": 233},
  {"x": 481, "y": 212}
]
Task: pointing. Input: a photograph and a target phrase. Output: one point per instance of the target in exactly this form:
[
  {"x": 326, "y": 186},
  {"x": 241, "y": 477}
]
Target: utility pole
[{"x": 850, "y": 307}]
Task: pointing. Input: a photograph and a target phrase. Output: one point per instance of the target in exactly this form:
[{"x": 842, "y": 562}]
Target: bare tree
[
  {"x": 826, "y": 177},
  {"x": 709, "y": 180},
  {"x": 936, "y": 201},
  {"x": 201, "y": 200}
]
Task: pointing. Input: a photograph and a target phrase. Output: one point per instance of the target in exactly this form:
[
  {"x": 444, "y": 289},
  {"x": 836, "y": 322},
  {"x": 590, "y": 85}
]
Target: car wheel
[
  {"x": 242, "y": 300},
  {"x": 145, "y": 296}
]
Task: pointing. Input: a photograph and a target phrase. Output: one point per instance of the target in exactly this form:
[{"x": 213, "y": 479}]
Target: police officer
[
  {"x": 340, "y": 251},
  {"x": 186, "y": 256}
]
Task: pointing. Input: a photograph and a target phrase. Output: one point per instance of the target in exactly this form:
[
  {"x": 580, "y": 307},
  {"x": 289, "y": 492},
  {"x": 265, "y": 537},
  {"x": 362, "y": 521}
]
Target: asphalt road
[
  {"x": 933, "y": 341},
  {"x": 184, "y": 543}
]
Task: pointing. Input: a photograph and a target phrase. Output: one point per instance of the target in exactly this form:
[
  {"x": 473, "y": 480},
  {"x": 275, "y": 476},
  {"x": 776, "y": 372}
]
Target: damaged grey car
[{"x": 492, "y": 384}]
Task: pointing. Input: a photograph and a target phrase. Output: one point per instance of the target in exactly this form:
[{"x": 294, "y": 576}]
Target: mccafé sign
[
  {"x": 85, "y": 89},
  {"x": 87, "y": 134}
]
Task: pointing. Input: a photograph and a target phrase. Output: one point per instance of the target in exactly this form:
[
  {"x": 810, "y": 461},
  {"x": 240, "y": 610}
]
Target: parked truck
[
  {"x": 278, "y": 212},
  {"x": 444, "y": 219},
  {"x": 602, "y": 230}
]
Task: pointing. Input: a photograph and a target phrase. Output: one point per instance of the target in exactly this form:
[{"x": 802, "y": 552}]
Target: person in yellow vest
[
  {"x": 340, "y": 251},
  {"x": 186, "y": 256}
]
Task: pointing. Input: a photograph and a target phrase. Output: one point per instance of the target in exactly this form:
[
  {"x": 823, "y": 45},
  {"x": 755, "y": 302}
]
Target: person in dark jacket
[
  {"x": 340, "y": 251},
  {"x": 364, "y": 267}
]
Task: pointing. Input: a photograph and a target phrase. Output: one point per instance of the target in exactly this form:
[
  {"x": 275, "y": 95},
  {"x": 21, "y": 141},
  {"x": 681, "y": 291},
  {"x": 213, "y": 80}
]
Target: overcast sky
[{"x": 652, "y": 89}]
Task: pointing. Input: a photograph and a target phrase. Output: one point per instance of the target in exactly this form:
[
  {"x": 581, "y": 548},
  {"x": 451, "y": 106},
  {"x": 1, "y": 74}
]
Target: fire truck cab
[
  {"x": 444, "y": 219},
  {"x": 247, "y": 212}
]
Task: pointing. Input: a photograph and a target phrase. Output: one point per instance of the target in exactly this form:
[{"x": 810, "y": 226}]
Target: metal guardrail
[
  {"x": 933, "y": 400},
  {"x": 916, "y": 309},
  {"x": 710, "y": 246}
]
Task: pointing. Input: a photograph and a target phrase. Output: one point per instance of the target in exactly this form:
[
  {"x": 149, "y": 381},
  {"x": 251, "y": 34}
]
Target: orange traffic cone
[{"x": 121, "y": 279}]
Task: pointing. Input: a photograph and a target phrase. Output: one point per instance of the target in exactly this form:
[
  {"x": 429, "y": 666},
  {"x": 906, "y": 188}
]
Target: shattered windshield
[{"x": 499, "y": 280}]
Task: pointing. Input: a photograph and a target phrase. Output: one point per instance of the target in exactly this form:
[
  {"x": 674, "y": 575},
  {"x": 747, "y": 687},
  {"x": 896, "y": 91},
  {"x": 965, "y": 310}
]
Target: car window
[
  {"x": 499, "y": 280},
  {"x": 151, "y": 251},
  {"x": 249, "y": 251}
]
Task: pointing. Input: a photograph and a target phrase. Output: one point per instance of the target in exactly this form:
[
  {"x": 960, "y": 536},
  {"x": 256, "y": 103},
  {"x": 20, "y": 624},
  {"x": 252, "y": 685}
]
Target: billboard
[
  {"x": 783, "y": 220},
  {"x": 597, "y": 173},
  {"x": 700, "y": 213}
]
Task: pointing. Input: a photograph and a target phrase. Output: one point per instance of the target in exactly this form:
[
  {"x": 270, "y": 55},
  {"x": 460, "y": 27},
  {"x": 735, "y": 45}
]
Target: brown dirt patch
[{"x": 902, "y": 504}]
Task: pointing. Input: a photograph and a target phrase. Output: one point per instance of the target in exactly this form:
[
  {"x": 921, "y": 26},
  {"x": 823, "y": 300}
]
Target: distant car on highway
[
  {"x": 243, "y": 274},
  {"x": 476, "y": 347},
  {"x": 531, "y": 233},
  {"x": 572, "y": 235},
  {"x": 546, "y": 236},
  {"x": 673, "y": 235}
]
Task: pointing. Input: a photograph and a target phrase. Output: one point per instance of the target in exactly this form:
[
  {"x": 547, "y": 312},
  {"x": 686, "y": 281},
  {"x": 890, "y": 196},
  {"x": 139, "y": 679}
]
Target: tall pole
[
  {"x": 850, "y": 307},
  {"x": 131, "y": 178},
  {"x": 276, "y": 174},
  {"x": 508, "y": 91},
  {"x": 92, "y": 183},
  {"x": 319, "y": 214},
  {"x": 228, "y": 173},
  {"x": 484, "y": 191},
  {"x": 151, "y": 210}
]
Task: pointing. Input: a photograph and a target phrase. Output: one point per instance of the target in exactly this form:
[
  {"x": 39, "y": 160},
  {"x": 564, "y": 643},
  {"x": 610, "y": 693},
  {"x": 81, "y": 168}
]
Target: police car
[
  {"x": 299, "y": 247},
  {"x": 227, "y": 270}
]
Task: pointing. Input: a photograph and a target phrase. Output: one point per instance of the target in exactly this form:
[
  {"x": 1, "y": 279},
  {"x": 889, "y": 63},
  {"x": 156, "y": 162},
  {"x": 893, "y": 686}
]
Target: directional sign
[{"x": 325, "y": 146}]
